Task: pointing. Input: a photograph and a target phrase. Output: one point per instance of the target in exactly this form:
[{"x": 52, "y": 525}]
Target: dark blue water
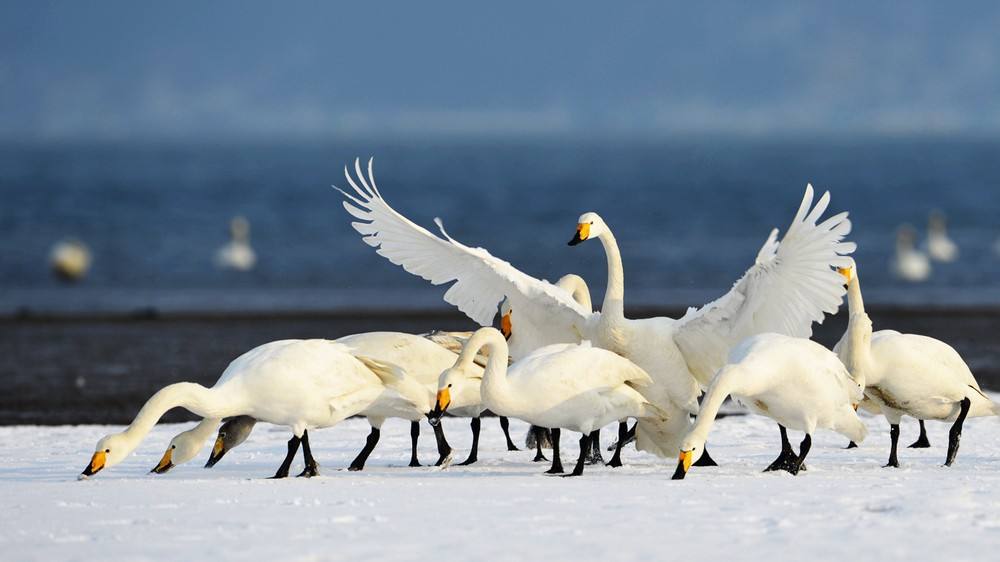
[{"x": 689, "y": 214}]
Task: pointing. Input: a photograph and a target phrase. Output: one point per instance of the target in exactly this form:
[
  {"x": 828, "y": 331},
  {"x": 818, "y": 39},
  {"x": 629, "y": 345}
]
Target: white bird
[
  {"x": 790, "y": 286},
  {"x": 917, "y": 376},
  {"x": 794, "y": 381},
  {"x": 70, "y": 259},
  {"x": 421, "y": 362},
  {"x": 563, "y": 386},
  {"x": 940, "y": 247},
  {"x": 302, "y": 384},
  {"x": 909, "y": 263},
  {"x": 237, "y": 254}
]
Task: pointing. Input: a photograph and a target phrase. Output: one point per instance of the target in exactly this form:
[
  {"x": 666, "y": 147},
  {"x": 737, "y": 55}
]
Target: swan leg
[
  {"x": 474, "y": 453},
  {"x": 955, "y": 435},
  {"x": 705, "y": 459},
  {"x": 616, "y": 459},
  {"x": 803, "y": 451},
  {"x": 414, "y": 437},
  {"x": 359, "y": 461},
  {"x": 594, "y": 452},
  {"x": 894, "y": 436},
  {"x": 922, "y": 442},
  {"x": 557, "y": 467},
  {"x": 505, "y": 426},
  {"x": 586, "y": 445},
  {"x": 312, "y": 467},
  {"x": 293, "y": 448},
  {"x": 444, "y": 449},
  {"x": 787, "y": 460},
  {"x": 539, "y": 436},
  {"x": 629, "y": 437},
  {"x": 851, "y": 445}
]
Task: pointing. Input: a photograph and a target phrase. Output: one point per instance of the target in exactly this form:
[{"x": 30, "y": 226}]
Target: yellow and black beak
[
  {"x": 505, "y": 326},
  {"x": 218, "y": 451},
  {"x": 582, "y": 233},
  {"x": 165, "y": 463},
  {"x": 96, "y": 464},
  {"x": 443, "y": 400},
  {"x": 683, "y": 464},
  {"x": 848, "y": 274}
]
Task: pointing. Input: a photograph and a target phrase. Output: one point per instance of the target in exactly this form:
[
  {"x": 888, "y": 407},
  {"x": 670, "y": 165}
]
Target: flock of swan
[{"x": 545, "y": 356}]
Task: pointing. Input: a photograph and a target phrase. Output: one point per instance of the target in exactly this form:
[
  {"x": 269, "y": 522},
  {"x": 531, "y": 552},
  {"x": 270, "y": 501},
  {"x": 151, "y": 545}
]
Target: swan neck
[
  {"x": 855, "y": 303},
  {"x": 194, "y": 397},
  {"x": 495, "y": 374},
  {"x": 614, "y": 295},
  {"x": 711, "y": 403}
]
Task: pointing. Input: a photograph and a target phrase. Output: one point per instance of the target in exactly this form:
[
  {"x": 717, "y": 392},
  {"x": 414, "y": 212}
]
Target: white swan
[
  {"x": 940, "y": 247},
  {"x": 562, "y": 386},
  {"x": 918, "y": 376},
  {"x": 909, "y": 263},
  {"x": 302, "y": 384},
  {"x": 410, "y": 397},
  {"x": 237, "y": 254},
  {"x": 790, "y": 286},
  {"x": 794, "y": 381},
  {"x": 70, "y": 259}
]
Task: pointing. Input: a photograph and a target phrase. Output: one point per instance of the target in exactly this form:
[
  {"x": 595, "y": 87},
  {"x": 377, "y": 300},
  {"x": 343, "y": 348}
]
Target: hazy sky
[{"x": 238, "y": 69}]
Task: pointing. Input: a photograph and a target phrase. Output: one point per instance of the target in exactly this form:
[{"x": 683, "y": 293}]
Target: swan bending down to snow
[
  {"x": 909, "y": 263},
  {"x": 940, "y": 246},
  {"x": 421, "y": 360},
  {"x": 794, "y": 381},
  {"x": 562, "y": 386},
  {"x": 908, "y": 374},
  {"x": 790, "y": 286},
  {"x": 302, "y": 384}
]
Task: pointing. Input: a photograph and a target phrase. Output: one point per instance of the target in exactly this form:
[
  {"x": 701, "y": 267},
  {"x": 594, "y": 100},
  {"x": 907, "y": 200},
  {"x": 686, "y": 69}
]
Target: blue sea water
[{"x": 689, "y": 214}]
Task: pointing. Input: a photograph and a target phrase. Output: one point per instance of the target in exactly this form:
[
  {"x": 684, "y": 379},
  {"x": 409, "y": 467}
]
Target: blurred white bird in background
[
  {"x": 70, "y": 259},
  {"x": 909, "y": 263},
  {"x": 237, "y": 254},
  {"x": 939, "y": 246}
]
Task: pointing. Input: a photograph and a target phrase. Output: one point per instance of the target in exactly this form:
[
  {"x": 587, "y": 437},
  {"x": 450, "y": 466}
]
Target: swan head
[
  {"x": 110, "y": 450},
  {"x": 589, "y": 225},
  {"x": 906, "y": 237},
  {"x": 502, "y": 321},
  {"x": 239, "y": 228},
  {"x": 231, "y": 435},
  {"x": 937, "y": 223},
  {"x": 183, "y": 447},
  {"x": 458, "y": 386},
  {"x": 849, "y": 272},
  {"x": 691, "y": 449}
]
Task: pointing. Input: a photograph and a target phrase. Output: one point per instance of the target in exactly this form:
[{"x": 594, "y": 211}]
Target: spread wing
[
  {"x": 791, "y": 285},
  {"x": 541, "y": 312}
]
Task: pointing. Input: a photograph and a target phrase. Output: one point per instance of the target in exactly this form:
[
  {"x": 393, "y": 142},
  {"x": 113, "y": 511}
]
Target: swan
[
  {"x": 909, "y": 374},
  {"x": 790, "y": 286},
  {"x": 237, "y": 254},
  {"x": 794, "y": 381},
  {"x": 562, "y": 386},
  {"x": 410, "y": 398},
  {"x": 909, "y": 263},
  {"x": 302, "y": 384},
  {"x": 70, "y": 259},
  {"x": 940, "y": 247}
]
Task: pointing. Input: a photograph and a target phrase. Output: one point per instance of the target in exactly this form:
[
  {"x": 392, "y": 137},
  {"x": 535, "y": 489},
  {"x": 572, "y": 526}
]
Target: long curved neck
[
  {"x": 577, "y": 287},
  {"x": 495, "y": 374},
  {"x": 614, "y": 295},
  {"x": 857, "y": 347},
  {"x": 720, "y": 388},
  {"x": 194, "y": 397}
]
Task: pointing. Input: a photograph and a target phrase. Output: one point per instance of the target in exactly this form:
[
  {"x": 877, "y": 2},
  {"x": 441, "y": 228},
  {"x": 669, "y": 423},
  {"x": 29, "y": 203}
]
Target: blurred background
[{"x": 165, "y": 169}]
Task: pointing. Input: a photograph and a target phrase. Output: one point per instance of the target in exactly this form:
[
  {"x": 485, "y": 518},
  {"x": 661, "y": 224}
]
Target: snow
[{"x": 503, "y": 508}]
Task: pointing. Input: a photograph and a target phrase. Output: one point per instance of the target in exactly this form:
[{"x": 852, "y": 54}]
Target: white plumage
[{"x": 909, "y": 263}]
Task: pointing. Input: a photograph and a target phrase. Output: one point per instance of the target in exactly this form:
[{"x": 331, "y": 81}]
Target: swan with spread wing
[{"x": 791, "y": 285}]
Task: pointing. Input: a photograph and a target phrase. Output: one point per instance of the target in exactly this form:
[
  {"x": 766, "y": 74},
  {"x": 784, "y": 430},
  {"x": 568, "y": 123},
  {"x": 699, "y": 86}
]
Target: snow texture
[{"x": 503, "y": 508}]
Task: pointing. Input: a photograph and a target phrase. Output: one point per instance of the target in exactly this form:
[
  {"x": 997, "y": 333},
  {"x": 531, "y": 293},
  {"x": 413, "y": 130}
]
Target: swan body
[
  {"x": 790, "y": 286},
  {"x": 909, "y": 263},
  {"x": 940, "y": 246},
  {"x": 301, "y": 384},
  {"x": 237, "y": 254},
  {"x": 909, "y": 374},
  {"x": 794, "y": 381},
  {"x": 70, "y": 260}
]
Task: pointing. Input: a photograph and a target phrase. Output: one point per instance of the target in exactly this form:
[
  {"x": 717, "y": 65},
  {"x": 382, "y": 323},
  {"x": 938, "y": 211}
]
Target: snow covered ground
[{"x": 846, "y": 505}]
